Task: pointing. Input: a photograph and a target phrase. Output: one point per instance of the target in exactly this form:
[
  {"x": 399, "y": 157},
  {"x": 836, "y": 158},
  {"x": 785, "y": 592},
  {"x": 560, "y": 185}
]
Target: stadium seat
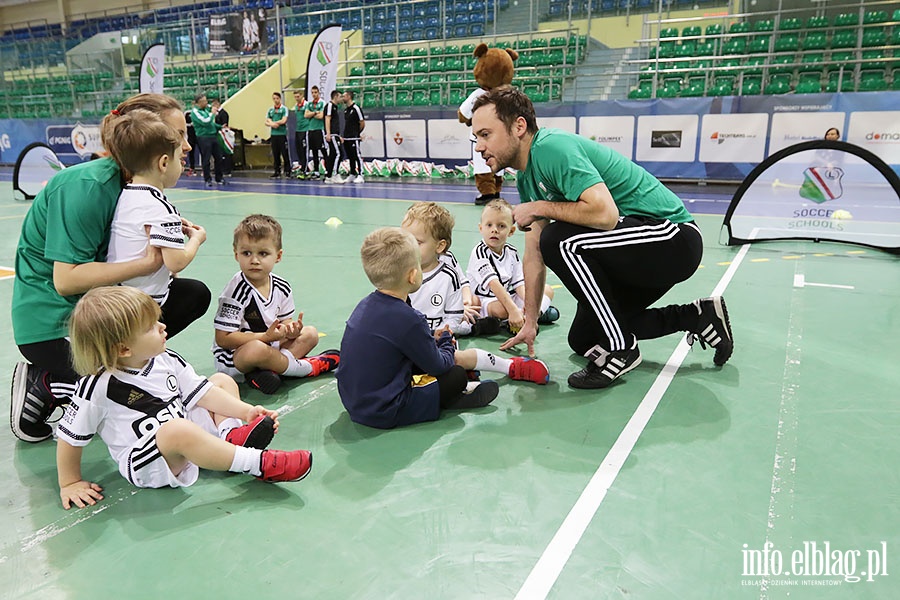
[
  {"x": 790, "y": 24},
  {"x": 872, "y": 81},
  {"x": 759, "y": 44},
  {"x": 787, "y": 43},
  {"x": 875, "y": 16},
  {"x": 751, "y": 86},
  {"x": 846, "y": 20},
  {"x": 820, "y": 22},
  {"x": 874, "y": 37},
  {"x": 815, "y": 41},
  {"x": 691, "y": 31},
  {"x": 763, "y": 25},
  {"x": 778, "y": 84},
  {"x": 843, "y": 39},
  {"x": 808, "y": 83},
  {"x": 696, "y": 87}
]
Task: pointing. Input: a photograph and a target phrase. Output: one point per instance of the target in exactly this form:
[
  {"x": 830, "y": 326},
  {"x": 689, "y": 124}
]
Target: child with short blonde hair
[
  {"x": 387, "y": 342},
  {"x": 160, "y": 420},
  {"x": 256, "y": 338},
  {"x": 495, "y": 270}
]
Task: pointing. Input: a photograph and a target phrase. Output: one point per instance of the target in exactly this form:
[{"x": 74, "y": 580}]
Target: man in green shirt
[
  {"x": 616, "y": 237},
  {"x": 276, "y": 119},
  {"x": 315, "y": 129},
  {"x": 207, "y": 131},
  {"x": 299, "y": 166}
]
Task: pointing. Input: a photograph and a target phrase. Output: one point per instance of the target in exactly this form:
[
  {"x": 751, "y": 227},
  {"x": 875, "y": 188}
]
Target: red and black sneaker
[
  {"x": 265, "y": 381},
  {"x": 256, "y": 434},
  {"x": 280, "y": 465},
  {"x": 325, "y": 362}
]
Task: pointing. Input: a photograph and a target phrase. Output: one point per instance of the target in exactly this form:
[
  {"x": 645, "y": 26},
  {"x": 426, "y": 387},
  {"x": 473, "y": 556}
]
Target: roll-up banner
[
  {"x": 322, "y": 66},
  {"x": 152, "y": 69}
]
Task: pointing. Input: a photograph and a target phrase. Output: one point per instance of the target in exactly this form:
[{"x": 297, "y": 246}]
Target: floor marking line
[
  {"x": 549, "y": 566},
  {"x": 800, "y": 282}
]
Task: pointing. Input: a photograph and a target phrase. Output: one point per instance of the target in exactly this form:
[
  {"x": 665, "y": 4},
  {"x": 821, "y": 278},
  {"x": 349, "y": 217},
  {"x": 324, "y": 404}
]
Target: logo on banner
[
  {"x": 152, "y": 67},
  {"x": 5, "y": 144},
  {"x": 324, "y": 53},
  {"x": 720, "y": 138},
  {"x": 883, "y": 136},
  {"x": 398, "y": 139},
  {"x": 666, "y": 139},
  {"x": 821, "y": 184}
]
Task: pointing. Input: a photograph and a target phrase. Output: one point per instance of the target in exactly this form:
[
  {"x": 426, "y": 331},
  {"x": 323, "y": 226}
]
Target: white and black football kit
[
  {"x": 127, "y": 407},
  {"x": 143, "y": 208},
  {"x": 485, "y": 266},
  {"x": 440, "y": 299},
  {"x": 243, "y": 308}
]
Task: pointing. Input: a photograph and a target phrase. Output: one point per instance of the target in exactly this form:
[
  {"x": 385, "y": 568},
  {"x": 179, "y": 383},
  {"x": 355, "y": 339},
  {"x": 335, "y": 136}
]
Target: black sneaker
[
  {"x": 604, "y": 367},
  {"x": 713, "y": 328},
  {"x": 551, "y": 315},
  {"x": 486, "y": 326},
  {"x": 274, "y": 175},
  {"x": 483, "y": 394},
  {"x": 31, "y": 403},
  {"x": 265, "y": 381}
]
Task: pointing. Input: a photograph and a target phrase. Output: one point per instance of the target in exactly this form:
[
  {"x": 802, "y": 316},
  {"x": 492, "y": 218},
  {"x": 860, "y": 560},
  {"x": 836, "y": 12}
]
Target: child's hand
[
  {"x": 259, "y": 411},
  {"x": 516, "y": 320},
  {"x": 275, "y": 332},
  {"x": 442, "y": 333},
  {"x": 194, "y": 232},
  {"x": 81, "y": 494},
  {"x": 292, "y": 329},
  {"x": 471, "y": 312}
]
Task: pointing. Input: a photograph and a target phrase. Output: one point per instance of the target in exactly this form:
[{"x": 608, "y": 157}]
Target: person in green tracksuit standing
[
  {"x": 276, "y": 119},
  {"x": 315, "y": 131},
  {"x": 301, "y": 159},
  {"x": 207, "y": 131}
]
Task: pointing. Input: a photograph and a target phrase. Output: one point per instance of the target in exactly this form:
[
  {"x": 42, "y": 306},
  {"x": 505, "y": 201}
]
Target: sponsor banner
[
  {"x": 448, "y": 138},
  {"x": 80, "y": 140},
  {"x": 564, "y": 123},
  {"x": 613, "y": 132},
  {"x": 667, "y": 138},
  {"x": 737, "y": 138},
  {"x": 878, "y": 132},
  {"x": 321, "y": 69},
  {"x": 152, "y": 66},
  {"x": 405, "y": 139},
  {"x": 789, "y": 128},
  {"x": 372, "y": 140}
]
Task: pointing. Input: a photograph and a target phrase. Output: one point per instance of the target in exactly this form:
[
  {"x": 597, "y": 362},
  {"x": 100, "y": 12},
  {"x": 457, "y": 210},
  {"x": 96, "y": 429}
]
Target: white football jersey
[
  {"x": 142, "y": 209},
  {"x": 485, "y": 266},
  {"x": 440, "y": 299},
  {"x": 243, "y": 308},
  {"x": 126, "y": 406}
]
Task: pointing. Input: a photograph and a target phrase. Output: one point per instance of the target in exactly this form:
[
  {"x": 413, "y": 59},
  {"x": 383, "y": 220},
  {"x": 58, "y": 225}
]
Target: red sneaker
[
  {"x": 255, "y": 434},
  {"x": 279, "y": 465},
  {"x": 529, "y": 369},
  {"x": 325, "y": 362}
]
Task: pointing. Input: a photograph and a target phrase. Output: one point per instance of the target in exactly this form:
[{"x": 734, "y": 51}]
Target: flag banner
[
  {"x": 322, "y": 66},
  {"x": 152, "y": 69}
]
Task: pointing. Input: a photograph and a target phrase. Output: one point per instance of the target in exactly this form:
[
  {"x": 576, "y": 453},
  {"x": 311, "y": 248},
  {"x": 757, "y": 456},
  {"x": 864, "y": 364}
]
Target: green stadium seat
[
  {"x": 843, "y": 39},
  {"x": 668, "y": 32},
  {"x": 874, "y": 37},
  {"x": 840, "y": 56},
  {"x": 370, "y": 99},
  {"x": 895, "y": 83},
  {"x": 751, "y": 86},
  {"x": 846, "y": 20},
  {"x": 714, "y": 29},
  {"x": 404, "y": 53},
  {"x": 755, "y": 64},
  {"x": 759, "y": 44},
  {"x": 875, "y": 16},
  {"x": 387, "y": 54},
  {"x": 820, "y": 22},
  {"x": 778, "y": 84},
  {"x": 739, "y": 27},
  {"x": 779, "y": 65},
  {"x": 734, "y": 46},
  {"x": 686, "y": 49},
  {"x": 705, "y": 49},
  {"x": 872, "y": 81},
  {"x": 691, "y": 31},
  {"x": 639, "y": 94},
  {"x": 847, "y": 83},
  {"x": 723, "y": 86},
  {"x": 671, "y": 89},
  {"x": 402, "y": 98},
  {"x": 815, "y": 41},
  {"x": 763, "y": 25},
  {"x": 420, "y": 51},
  {"x": 371, "y": 55},
  {"x": 809, "y": 83},
  {"x": 787, "y": 43},
  {"x": 696, "y": 87}
]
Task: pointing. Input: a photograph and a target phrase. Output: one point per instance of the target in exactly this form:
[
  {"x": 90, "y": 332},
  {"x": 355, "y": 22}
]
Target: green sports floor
[{"x": 775, "y": 476}]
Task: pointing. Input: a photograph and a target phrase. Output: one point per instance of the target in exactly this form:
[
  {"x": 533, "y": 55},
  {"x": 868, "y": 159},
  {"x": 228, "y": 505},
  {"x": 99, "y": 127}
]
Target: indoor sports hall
[
  {"x": 685, "y": 480},
  {"x": 772, "y": 477}
]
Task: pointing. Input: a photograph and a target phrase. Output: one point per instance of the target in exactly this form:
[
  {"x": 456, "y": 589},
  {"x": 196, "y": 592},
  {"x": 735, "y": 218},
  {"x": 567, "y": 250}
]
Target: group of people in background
[
  {"x": 208, "y": 129},
  {"x": 318, "y": 136}
]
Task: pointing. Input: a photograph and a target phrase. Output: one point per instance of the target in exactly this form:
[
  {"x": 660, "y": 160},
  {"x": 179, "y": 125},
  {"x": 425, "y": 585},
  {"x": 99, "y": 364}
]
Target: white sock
[
  {"x": 470, "y": 387},
  {"x": 297, "y": 367},
  {"x": 246, "y": 460},
  {"x": 227, "y": 425},
  {"x": 485, "y": 361},
  {"x": 545, "y": 304}
]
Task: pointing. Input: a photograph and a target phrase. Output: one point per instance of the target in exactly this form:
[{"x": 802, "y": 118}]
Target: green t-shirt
[
  {"x": 276, "y": 114},
  {"x": 314, "y": 124},
  {"x": 302, "y": 121},
  {"x": 561, "y": 165},
  {"x": 204, "y": 122},
  {"x": 69, "y": 222}
]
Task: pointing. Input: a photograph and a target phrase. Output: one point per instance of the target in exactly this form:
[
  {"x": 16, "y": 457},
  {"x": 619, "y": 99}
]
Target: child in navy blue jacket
[{"x": 387, "y": 343}]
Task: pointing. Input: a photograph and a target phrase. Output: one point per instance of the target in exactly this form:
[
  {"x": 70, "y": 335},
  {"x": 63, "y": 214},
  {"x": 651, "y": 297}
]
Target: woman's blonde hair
[
  {"x": 387, "y": 256},
  {"x": 158, "y": 104},
  {"x": 103, "y": 319}
]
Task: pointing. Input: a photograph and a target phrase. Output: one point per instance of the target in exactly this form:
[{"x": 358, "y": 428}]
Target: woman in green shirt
[{"x": 60, "y": 256}]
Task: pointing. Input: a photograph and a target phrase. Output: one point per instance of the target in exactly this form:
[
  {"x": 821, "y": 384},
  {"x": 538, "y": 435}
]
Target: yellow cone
[{"x": 333, "y": 222}]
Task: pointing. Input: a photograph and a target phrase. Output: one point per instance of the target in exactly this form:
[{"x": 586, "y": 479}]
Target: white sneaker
[
  {"x": 334, "y": 179},
  {"x": 359, "y": 179}
]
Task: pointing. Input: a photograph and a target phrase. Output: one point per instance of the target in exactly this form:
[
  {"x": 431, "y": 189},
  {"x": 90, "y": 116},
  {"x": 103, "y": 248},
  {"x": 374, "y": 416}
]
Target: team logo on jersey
[
  {"x": 173, "y": 229},
  {"x": 171, "y": 383},
  {"x": 437, "y": 300}
]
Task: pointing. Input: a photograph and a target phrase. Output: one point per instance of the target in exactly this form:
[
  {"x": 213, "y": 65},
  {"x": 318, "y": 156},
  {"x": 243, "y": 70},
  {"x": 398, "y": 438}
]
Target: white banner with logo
[
  {"x": 152, "y": 67},
  {"x": 614, "y": 132},
  {"x": 733, "y": 138},
  {"x": 322, "y": 66},
  {"x": 405, "y": 139}
]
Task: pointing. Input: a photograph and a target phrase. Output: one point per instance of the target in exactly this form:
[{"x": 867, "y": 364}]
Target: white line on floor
[{"x": 556, "y": 555}]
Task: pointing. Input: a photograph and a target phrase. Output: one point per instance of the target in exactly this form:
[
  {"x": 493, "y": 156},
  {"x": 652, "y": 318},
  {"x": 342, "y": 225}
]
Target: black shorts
[{"x": 315, "y": 139}]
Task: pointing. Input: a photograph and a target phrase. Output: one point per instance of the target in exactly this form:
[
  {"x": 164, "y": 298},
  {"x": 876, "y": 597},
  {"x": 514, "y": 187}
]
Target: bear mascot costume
[{"x": 493, "y": 69}]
